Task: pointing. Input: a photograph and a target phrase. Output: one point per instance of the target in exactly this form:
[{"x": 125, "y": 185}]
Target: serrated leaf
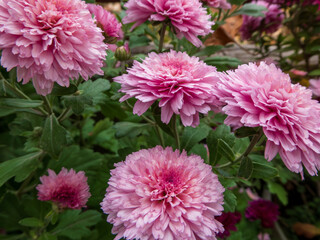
[
  {"x": 129, "y": 129},
  {"x": 246, "y": 168},
  {"x": 192, "y": 136},
  {"x": 20, "y": 103},
  {"x": 94, "y": 89},
  {"x": 264, "y": 171},
  {"x": 207, "y": 51},
  {"x": 61, "y": 91},
  {"x": 19, "y": 167},
  {"x": 53, "y": 136},
  {"x": 74, "y": 224},
  {"x": 77, "y": 103},
  {"x": 216, "y": 147},
  {"x": 279, "y": 191},
  {"x": 200, "y": 150},
  {"x": 223, "y": 63},
  {"x": 230, "y": 201},
  {"x": 31, "y": 222}
]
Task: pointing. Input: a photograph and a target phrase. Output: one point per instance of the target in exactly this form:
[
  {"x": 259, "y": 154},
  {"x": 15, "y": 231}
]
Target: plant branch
[{"x": 162, "y": 34}]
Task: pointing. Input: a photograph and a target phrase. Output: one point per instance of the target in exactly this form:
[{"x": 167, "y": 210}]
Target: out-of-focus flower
[
  {"x": 50, "y": 41},
  {"x": 218, "y": 4},
  {"x": 265, "y": 211},
  {"x": 315, "y": 86},
  {"x": 269, "y": 23},
  {"x": 264, "y": 236},
  {"x": 67, "y": 189},
  {"x": 123, "y": 53},
  {"x": 298, "y": 72},
  {"x": 183, "y": 84},
  {"x": 263, "y": 96},
  {"x": 188, "y": 17},
  {"x": 229, "y": 221},
  {"x": 108, "y": 23},
  {"x": 161, "y": 194}
]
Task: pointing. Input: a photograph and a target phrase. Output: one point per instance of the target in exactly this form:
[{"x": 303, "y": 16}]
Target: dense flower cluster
[
  {"x": 183, "y": 84},
  {"x": 229, "y": 221},
  {"x": 263, "y": 96},
  {"x": 161, "y": 194},
  {"x": 108, "y": 23},
  {"x": 67, "y": 189},
  {"x": 265, "y": 211},
  {"x": 50, "y": 41},
  {"x": 218, "y": 4},
  {"x": 269, "y": 23},
  {"x": 188, "y": 17}
]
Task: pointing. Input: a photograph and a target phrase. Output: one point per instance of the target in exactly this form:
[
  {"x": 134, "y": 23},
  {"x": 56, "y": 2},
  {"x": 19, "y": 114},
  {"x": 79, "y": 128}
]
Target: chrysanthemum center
[
  {"x": 169, "y": 185},
  {"x": 66, "y": 195}
]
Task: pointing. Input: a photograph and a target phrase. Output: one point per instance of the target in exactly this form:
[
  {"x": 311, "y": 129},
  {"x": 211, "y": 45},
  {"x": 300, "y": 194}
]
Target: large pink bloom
[
  {"x": 50, "y": 41},
  {"x": 183, "y": 85},
  {"x": 269, "y": 23},
  {"x": 218, "y": 4},
  {"x": 109, "y": 23},
  {"x": 68, "y": 189},
  {"x": 188, "y": 17},
  {"x": 264, "y": 96},
  {"x": 160, "y": 194}
]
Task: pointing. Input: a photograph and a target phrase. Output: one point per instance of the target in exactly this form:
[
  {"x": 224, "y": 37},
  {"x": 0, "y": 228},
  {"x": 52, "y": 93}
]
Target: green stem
[
  {"x": 158, "y": 130},
  {"x": 175, "y": 131},
  {"x": 64, "y": 114},
  {"x": 162, "y": 34},
  {"x": 252, "y": 144},
  {"x": 19, "y": 93},
  {"x": 47, "y": 104}
]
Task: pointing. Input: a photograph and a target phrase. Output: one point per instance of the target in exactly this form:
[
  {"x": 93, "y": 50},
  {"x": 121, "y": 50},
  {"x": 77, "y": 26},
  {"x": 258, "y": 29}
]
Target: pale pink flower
[
  {"x": 298, "y": 72},
  {"x": 218, "y": 4},
  {"x": 109, "y": 24},
  {"x": 315, "y": 86},
  {"x": 263, "y": 96},
  {"x": 188, "y": 17},
  {"x": 50, "y": 41},
  {"x": 161, "y": 194},
  {"x": 183, "y": 84},
  {"x": 264, "y": 236},
  {"x": 269, "y": 23},
  {"x": 67, "y": 189}
]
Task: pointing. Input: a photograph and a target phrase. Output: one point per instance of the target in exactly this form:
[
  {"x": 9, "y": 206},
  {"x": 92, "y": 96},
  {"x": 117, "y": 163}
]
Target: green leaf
[
  {"x": 223, "y": 63},
  {"x": 20, "y": 167},
  {"x": 246, "y": 168},
  {"x": 74, "y": 224},
  {"x": 279, "y": 191},
  {"x": 53, "y": 136},
  {"x": 47, "y": 236},
  {"x": 236, "y": 2},
  {"x": 61, "y": 91},
  {"x": 20, "y": 103},
  {"x": 129, "y": 129},
  {"x": 31, "y": 222},
  {"x": 95, "y": 89},
  {"x": 219, "y": 143},
  {"x": 315, "y": 73},
  {"x": 200, "y": 150},
  {"x": 112, "y": 109},
  {"x": 208, "y": 51},
  {"x": 262, "y": 168},
  {"x": 192, "y": 136},
  {"x": 251, "y": 9},
  {"x": 138, "y": 41},
  {"x": 230, "y": 201},
  {"x": 77, "y": 103}
]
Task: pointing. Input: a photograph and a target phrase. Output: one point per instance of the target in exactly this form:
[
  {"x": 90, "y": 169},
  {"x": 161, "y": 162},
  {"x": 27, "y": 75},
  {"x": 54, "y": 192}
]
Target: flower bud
[{"x": 123, "y": 53}]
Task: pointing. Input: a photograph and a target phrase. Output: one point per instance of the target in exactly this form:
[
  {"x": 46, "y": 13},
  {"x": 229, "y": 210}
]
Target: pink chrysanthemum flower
[
  {"x": 50, "y": 41},
  {"x": 263, "y": 96},
  {"x": 265, "y": 211},
  {"x": 218, "y": 4},
  {"x": 109, "y": 23},
  {"x": 315, "y": 86},
  {"x": 160, "y": 194},
  {"x": 229, "y": 221},
  {"x": 269, "y": 23},
  {"x": 183, "y": 84},
  {"x": 188, "y": 17},
  {"x": 67, "y": 189}
]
